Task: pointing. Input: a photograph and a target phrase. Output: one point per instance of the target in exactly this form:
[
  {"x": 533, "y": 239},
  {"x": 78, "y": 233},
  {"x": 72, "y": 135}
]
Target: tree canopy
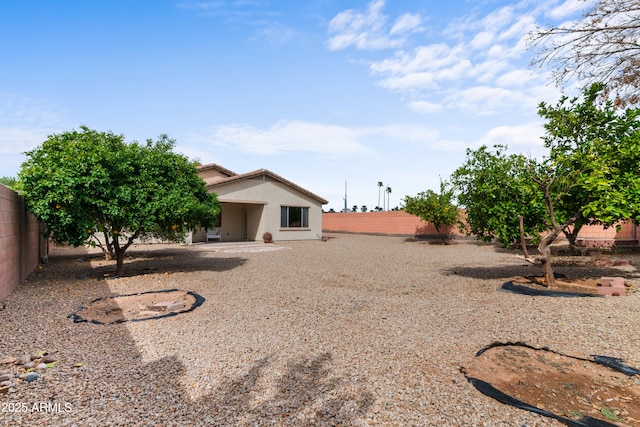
[
  {"x": 437, "y": 208},
  {"x": 589, "y": 176},
  {"x": 91, "y": 187},
  {"x": 496, "y": 188},
  {"x": 603, "y": 46}
]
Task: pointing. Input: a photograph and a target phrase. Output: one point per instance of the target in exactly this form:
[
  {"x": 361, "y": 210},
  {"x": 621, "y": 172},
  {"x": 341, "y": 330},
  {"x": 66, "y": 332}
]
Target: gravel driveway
[{"x": 357, "y": 330}]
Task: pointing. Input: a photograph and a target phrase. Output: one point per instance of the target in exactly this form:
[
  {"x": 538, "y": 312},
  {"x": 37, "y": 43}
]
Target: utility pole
[{"x": 345, "y": 197}]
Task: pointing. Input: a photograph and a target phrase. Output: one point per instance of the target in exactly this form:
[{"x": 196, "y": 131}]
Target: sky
[{"x": 321, "y": 92}]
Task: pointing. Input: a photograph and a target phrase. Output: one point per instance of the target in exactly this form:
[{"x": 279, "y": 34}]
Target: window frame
[{"x": 286, "y": 217}]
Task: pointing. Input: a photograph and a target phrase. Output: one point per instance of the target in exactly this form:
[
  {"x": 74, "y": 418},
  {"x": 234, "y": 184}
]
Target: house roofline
[
  {"x": 217, "y": 167},
  {"x": 266, "y": 172}
]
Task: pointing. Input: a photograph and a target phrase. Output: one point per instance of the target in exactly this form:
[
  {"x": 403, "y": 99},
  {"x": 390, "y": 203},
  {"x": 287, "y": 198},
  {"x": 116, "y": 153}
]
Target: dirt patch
[
  {"x": 563, "y": 387},
  {"x": 135, "y": 307},
  {"x": 536, "y": 285}
]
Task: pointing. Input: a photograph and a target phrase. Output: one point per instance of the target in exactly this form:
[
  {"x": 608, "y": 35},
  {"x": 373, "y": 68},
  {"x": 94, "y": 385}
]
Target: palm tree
[
  {"x": 388, "y": 190},
  {"x": 380, "y": 184}
]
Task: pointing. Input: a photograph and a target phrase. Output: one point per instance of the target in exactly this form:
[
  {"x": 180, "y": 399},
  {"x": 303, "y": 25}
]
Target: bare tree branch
[{"x": 602, "y": 47}]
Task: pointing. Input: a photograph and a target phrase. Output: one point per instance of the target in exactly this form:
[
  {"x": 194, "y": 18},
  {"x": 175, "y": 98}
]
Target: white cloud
[
  {"x": 25, "y": 123},
  {"x": 569, "y": 8},
  {"x": 525, "y": 139},
  {"x": 16, "y": 140},
  {"x": 485, "y": 100},
  {"x": 482, "y": 40},
  {"x": 406, "y": 23},
  {"x": 369, "y": 29},
  {"x": 516, "y": 78},
  {"x": 423, "y": 68},
  {"x": 425, "y": 107},
  {"x": 288, "y": 136}
]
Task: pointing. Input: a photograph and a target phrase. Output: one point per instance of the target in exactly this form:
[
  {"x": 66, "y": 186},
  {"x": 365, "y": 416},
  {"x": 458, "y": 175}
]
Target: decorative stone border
[
  {"x": 525, "y": 290},
  {"x": 199, "y": 300}
]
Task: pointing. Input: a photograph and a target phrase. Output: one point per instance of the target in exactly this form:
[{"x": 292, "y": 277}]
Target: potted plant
[{"x": 267, "y": 237}]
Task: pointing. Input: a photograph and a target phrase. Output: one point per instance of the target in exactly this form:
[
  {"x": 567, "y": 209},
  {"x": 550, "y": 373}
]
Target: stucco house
[{"x": 260, "y": 201}]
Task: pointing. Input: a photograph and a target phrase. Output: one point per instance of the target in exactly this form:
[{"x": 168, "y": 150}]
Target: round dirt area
[
  {"x": 578, "y": 392},
  {"x": 136, "y": 307},
  {"x": 536, "y": 286}
]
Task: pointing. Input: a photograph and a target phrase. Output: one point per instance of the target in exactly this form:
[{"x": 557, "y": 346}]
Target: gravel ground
[{"x": 357, "y": 330}]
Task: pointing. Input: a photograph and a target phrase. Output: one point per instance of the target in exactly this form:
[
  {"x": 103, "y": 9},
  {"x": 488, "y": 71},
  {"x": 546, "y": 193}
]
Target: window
[{"x": 294, "y": 217}]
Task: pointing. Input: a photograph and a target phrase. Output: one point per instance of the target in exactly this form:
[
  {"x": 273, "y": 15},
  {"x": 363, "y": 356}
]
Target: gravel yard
[{"x": 357, "y": 330}]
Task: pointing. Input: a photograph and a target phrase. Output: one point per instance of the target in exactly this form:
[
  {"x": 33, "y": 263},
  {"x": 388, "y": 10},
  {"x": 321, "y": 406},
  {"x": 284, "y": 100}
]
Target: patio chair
[{"x": 214, "y": 234}]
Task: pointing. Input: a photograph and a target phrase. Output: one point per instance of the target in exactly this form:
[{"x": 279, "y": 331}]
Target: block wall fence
[
  {"x": 400, "y": 223},
  {"x": 21, "y": 243}
]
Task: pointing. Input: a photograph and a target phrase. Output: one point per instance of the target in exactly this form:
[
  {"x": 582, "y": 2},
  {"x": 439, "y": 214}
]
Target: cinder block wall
[
  {"x": 400, "y": 223},
  {"x": 21, "y": 244}
]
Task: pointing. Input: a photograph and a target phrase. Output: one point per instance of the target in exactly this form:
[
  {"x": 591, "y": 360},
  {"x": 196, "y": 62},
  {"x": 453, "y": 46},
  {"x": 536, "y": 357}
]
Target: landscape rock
[
  {"x": 6, "y": 377},
  {"x": 32, "y": 376},
  {"x": 23, "y": 359},
  {"x": 48, "y": 359},
  {"x": 7, "y": 360}
]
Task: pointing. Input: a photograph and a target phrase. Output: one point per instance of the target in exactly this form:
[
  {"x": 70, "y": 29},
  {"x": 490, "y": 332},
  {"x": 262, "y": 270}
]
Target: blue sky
[{"x": 318, "y": 91}]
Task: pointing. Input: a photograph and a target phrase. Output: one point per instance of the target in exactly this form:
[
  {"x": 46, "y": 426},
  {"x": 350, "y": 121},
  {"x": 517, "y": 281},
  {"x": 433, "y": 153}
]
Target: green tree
[
  {"x": 436, "y": 208},
  {"x": 92, "y": 188},
  {"x": 380, "y": 184},
  {"x": 9, "y": 181},
  {"x": 591, "y": 175},
  {"x": 495, "y": 189}
]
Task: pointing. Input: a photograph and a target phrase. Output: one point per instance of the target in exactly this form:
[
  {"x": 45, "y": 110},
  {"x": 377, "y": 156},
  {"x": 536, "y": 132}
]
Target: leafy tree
[
  {"x": 92, "y": 188},
  {"x": 604, "y": 46},
  {"x": 591, "y": 175},
  {"x": 380, "y": 184},
  {"x": 354, "y": 208},
  {"x": 495, "y": 189},
  {"x": 9, "y": 181},
  {"x": 436, "y": 208},
  {"x": 364, "y": 208}
]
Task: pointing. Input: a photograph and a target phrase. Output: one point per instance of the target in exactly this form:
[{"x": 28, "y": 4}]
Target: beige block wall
[
  {"x": 403, "y": 224},
  {"x": 21, "y": 245}
]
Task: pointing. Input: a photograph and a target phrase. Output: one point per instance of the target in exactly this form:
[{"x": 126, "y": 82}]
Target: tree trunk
[
  {"x": 547, "y": 268},
  {"x": 119, "y": 250},
  {"x": 572, "y": 237},
  {"x": 523, "y": 241},
  {"x": 120, "y": 264}
]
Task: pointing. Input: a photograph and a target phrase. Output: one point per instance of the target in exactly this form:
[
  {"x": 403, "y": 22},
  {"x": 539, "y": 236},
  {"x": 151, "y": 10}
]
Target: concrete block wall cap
[
  {"x": 612, "y": 291},
  {"x": 611, "y": 281}
]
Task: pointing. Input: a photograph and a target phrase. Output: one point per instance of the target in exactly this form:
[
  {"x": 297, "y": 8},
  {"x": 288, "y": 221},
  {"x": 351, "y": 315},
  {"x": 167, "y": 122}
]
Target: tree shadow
[
  {"x": 504, "y": 272},
  {"x": 150, "y": 261},
  {"x": 305, "y": 394},
  {"x": 113, "y": 384}
]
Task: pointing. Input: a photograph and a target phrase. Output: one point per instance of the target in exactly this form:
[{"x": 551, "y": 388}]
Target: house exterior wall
[
  {"x": 261, "y": 198},
  {"x": 21, "y": 245}
]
